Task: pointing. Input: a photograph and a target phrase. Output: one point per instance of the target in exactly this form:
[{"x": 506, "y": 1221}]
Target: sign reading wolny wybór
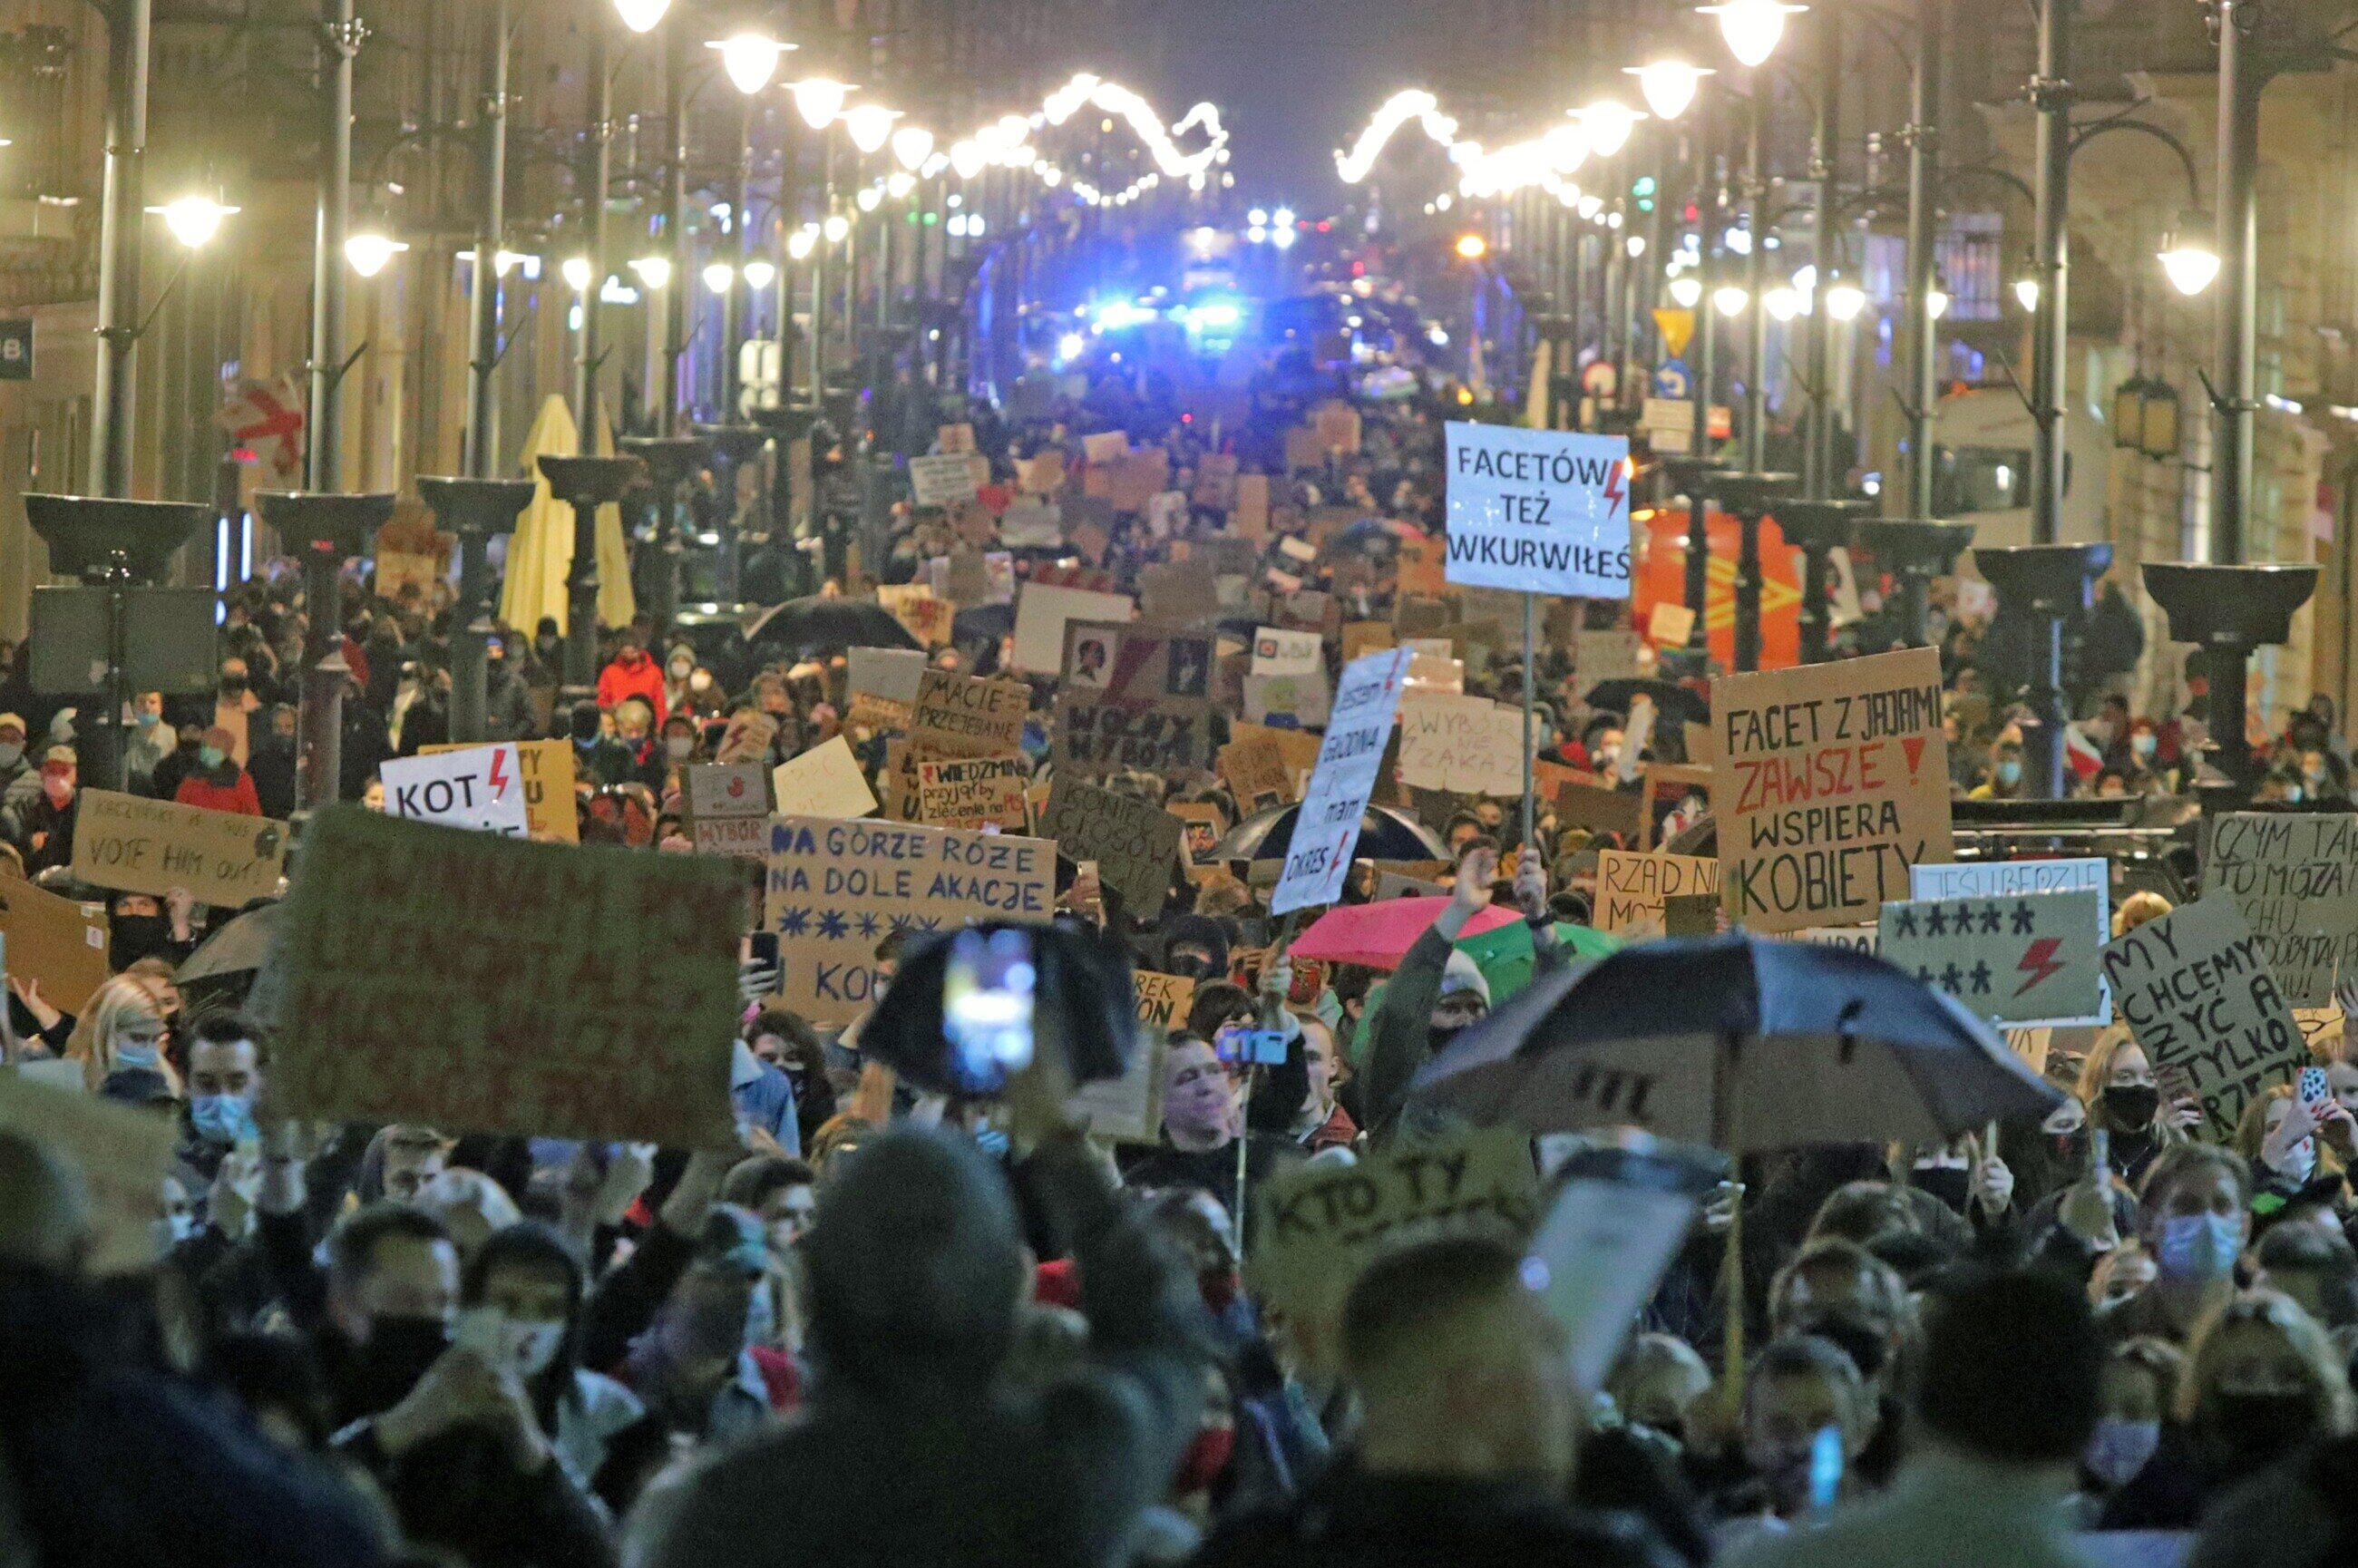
[{"x": 1539, "y": 511}]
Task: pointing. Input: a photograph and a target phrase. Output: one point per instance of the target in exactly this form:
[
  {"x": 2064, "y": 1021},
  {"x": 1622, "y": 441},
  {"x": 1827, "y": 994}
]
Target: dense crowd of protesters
[{"x": 892, "y": 1327}]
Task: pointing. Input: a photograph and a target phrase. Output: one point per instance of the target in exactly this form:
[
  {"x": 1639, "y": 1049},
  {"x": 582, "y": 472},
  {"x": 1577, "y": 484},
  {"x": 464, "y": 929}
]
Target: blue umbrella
[{"x": 1738, "y": 1042}]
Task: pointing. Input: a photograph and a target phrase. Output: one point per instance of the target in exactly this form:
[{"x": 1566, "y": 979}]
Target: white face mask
[
  {"x": 679, "y": 747},
  {"x": 528, "y": 1348}
]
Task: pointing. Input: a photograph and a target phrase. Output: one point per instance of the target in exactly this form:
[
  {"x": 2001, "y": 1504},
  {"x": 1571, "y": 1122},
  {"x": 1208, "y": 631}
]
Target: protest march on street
[{"x": 1125, "y": 879}]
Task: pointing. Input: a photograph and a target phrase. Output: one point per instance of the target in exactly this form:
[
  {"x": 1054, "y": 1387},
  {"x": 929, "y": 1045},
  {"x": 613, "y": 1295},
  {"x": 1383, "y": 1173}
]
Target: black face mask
[
  {"x": 1949, "y": 1184},
  {"x": 398, "y": 1351},
  {"x": 132, "y": 938},
  {"x": 233, "y": 685},
  {"x": 2130, "y": 1107},
  {"x": 2247, "y": 1432},
  {"x": 1437, "y": 1038},
  {"x": 1188, "y": 966}
]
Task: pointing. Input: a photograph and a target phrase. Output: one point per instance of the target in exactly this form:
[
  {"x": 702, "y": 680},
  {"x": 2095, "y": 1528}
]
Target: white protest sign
[
  {"x": 943, "y": 479},
  {"x": 1327, "y": 828},
  {"x": 481, "y": 787},
  {"x": 1280, "y": 653},
  {"x": 891, "y": 674},
  {"x": 2296, "y": 880},
  {"x": 825, "y": 781},
  {"x": 1539, "y": 511},
  {"x": 2015, "y": 878},
  {"x": 1041, "y": 612},
  {"x": 1029, "y": 522},
  {"x": 1296, "y": 702},
  {"x": 1469, "y": 745},
  {"x": 2026, "y": 959},
  {"x": 728, "y": 808}
]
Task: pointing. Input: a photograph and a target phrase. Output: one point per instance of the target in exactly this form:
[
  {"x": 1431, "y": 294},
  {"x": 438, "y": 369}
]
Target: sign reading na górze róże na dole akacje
[
  {"x": 1831, "y": 782},
  {"x": 1327, "y": 828},
  {"x": 1539, "y": 511},
  {"x": 836, "y": 888}
]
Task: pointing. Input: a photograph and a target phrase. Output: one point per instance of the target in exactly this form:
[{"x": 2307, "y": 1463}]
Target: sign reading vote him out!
[
  {"x": 1831, "y": 781},
  {"x": 835, "y": 889}
]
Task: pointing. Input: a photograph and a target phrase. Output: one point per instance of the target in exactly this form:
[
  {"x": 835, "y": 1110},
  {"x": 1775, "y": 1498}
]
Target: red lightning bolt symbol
[
  {"x": 1613, "y": 487},
  {"x": 2038, "y": 958},
  {"x": 498, "y": 773}
]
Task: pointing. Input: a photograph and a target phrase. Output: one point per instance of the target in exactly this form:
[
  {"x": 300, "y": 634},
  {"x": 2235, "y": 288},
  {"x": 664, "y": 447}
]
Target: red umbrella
[{"x": 1377, "y": 935}]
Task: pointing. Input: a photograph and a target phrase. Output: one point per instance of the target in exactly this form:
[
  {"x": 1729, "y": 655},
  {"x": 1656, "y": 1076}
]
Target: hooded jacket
[{"x": 911, "y": 1450}]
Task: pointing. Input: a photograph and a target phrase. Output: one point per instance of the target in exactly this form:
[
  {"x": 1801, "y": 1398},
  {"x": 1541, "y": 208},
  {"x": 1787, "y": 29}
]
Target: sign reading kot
[
  {"x": 1539, "y": 511},
  {"x": 1831, "y": 781}
]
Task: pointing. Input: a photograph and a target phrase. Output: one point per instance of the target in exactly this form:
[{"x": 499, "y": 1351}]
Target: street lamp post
[
  {"x": 2242, "y": 74},
  {"x": 328, "y": 531},
  {"x": 1922, "y": 325},
  {"x": 482, "y": 406},
  {"x": 127, "y": 29},
  {"x": 585, "y": 484},
  {"x": 2052, "y": 93},
  {"x": 588, "y": 355},
  {"x": 475, "y": 509},
  {"x": 341, "y": 34},
  {"x": 682, "y": 271},
  {"x": 1818, "y": 479}
]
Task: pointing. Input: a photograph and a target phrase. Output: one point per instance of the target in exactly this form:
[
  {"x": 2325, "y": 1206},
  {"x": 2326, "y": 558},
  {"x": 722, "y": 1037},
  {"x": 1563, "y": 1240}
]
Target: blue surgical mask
[
  {"x": 211, "y": 756},
  {"x": 145, "y": 720},
  {"x": 991, "y": 1142},
  {"x": 2118, "y": 1449},
  {"x": 2143, "y": 744},
  {"x": 221, "y": 1118},
  {"x": 2009, "y": 772},
  {"x": 135, "y": 1056},
  {"x": 2199, "y": 1246}
]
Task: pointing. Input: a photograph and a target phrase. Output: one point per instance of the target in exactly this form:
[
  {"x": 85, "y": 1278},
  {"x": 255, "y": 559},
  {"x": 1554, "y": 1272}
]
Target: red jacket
[
  {"x": 239, "y": 798},
  {"x": 626, "y": 678}
]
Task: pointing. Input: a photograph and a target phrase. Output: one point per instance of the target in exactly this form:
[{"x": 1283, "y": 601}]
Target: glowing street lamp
[
  {"x": 1936, "y": 302},
  {"x": 1845, "y": 299},
  {"x": 1669, "y": 86},
  {"x": 869, "y": 125},
  {"x": 819, "y": 99},
  {"x": 1609, "y": 123},
  {"x": 1752, "y": 28},
  {"x": 719, "y": 276},
  {"x": 1729, "y": 299},
  {"x": 836, "y": 228},
  {"x": 912, "y": 145},
  {"x": 751, "y": 59},
  {"x": 654, "y": 271},
  {"x": 801, "y": 242},
  {"x": 2189, "y": 254},
  {"x": 1470, "y": 247},
  {"x": 760, "y": 275},
  {"x": 193, "y": 220},
  {"x": 370, "y": 252},
  {"x": 1686, "y": 291},
  {"x": 640, "y": 16},
  {"x": 1782, "y": 303}
]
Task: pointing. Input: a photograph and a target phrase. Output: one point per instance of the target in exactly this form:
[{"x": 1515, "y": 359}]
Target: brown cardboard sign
[{"x": 138, "y": 845}]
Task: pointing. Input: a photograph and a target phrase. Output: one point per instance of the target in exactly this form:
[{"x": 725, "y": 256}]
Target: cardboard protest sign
[
  {"x": 2195, "y": 990},
  {"x": 891, "y": 674},
  {"x": 1539, "y": 511},
  {"x": 836, "y": 888},
  {"x": 2018, "y": 879},
  {"x": 2026, "y": 959},
  {"x": 1633, "y": 891},
  {"x": 1605, "y": 656},
  {"x": 1183, "y": 593},
  {"x": 747, "y": 738},
  {"x": 954, "y": 437},
  {"x": 728, "y": 808},
  {"x": 1202, "y": 825},
  {"x": 974, "y": 792},
  {"x": 1106, "y": 447},
  {"x": 1830, "y": 781},
  {"x": 1316, "y": 1227},
  {"x": 1291, "y": 702},
  {"x": 925, "y": 618},
  {"x": 1042, "y": 473},
  {"x": 549, "y": 780},
  {"x": 139, "y": 845},
  {"x": 968, "y": 716},
  {"x": 1283, "y": 652},
  {"x": 1133, "y": 697},
  {"x": 1127, "y": 1109},
  {"x": 825, "y": 781},
  {"x": 480, "y": 985},
  {"x": 1304, "y": 448},
  {"x": 1250, "y": 515},
  {"x": 121, "y": 1154},
  {"x": 1134, "y": 843},
  {"x": 2294, "y": 878},
  {"x": 1337, "y": 424},
  {"x": 1041, "y": 614},
  {"x": 1670, "y": 624},
  {"x": 1857, "y": 939},
  {"x": 1256, "y": 773},
  {"x": 1470, "y": 744},
  {"x": 53, "y": 942},
  {"x": 475, "y": 788},
  {"x": 942, "y": 479},
  {"x": 1350, "y": 758},
  {"x": 1163, "y": 999}
]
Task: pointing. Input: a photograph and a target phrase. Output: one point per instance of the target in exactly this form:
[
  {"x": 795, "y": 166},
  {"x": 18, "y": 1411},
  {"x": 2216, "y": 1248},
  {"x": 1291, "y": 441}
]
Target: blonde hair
[
  {"x": 2137, "y": 909},
  {"x": 2252, "y": 1131},
  {"x": 2278, "y": 1312},
  {"x": 123, "y": 999},
  {"x": 2096, "y": 1076}
]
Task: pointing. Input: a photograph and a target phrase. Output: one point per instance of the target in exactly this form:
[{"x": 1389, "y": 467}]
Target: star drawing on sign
[
  {"x": 1935, "y": 923},
  {"x": 1923, "y": 974},
  {"x": 1992, "y": 919},
  {"x": 2022, "y": 920},
  {"x": 1964, "y": 919},
  {"x": 794, "y": 921},
  {"x": 1952, "y": 979},
  {"x": 832, "y": 925},
  {"x": 867, "y": 924},
  {"x": 1981, "y": 978},
  {"x": 1905, "y": 923}
]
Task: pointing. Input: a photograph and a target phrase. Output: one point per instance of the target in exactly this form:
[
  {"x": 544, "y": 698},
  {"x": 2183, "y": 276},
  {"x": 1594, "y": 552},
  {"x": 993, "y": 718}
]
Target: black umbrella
[
  {"x": 1740, "y": 1042},
  {"x": 1384, "y": 834},
  {"x": 237, "y": 947},
  {"x": 1672, "y": 701},
  {"x": 1368, "y": 536},
  {"x": 982, "y": 623},
  {"x": 818, "y": 624}
]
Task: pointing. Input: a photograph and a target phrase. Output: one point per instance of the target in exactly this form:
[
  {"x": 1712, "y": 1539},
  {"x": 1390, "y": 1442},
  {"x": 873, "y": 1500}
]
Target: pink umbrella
[{"x": 1377, "y": 935}]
